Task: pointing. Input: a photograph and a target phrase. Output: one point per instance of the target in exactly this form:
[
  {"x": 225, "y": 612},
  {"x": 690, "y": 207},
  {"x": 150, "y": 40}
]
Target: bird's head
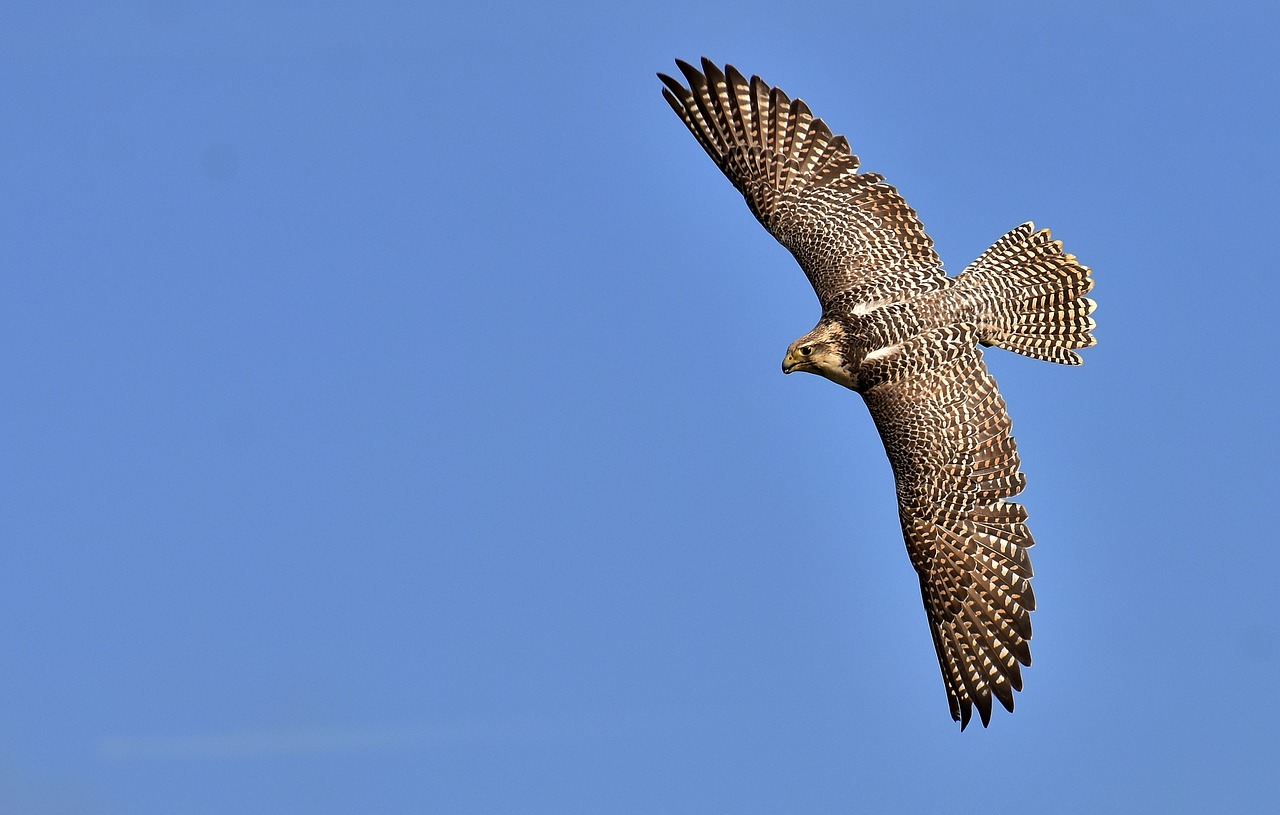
[{"x": 820, "y": 352}]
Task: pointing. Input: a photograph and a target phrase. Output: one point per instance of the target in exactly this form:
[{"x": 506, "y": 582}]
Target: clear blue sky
[{"x": 391, "y": 415}]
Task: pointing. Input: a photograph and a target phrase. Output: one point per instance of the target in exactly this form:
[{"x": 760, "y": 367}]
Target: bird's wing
[
  {"x": 852, "y": 233},
  {"x": 948, "y": 436}
]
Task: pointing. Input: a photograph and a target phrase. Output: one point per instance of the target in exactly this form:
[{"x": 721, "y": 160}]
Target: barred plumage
[
  {"x": 852, "y": 233},
  {"x": 896, "y": 329},
  {"x": 1030, "y": 296}
]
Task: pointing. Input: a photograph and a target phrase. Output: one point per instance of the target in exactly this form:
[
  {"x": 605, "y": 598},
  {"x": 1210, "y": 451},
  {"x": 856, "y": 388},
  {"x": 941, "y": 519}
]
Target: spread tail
[{"x": 1029, "y": 296}]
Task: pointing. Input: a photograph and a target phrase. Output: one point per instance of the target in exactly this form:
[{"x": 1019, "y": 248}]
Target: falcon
[{"x": 898, "y": 330}]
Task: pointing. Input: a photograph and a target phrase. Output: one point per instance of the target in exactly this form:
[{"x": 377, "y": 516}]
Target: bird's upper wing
[
  {"x": 948, "y": 436},
  {"x": 852, "y": 233}
]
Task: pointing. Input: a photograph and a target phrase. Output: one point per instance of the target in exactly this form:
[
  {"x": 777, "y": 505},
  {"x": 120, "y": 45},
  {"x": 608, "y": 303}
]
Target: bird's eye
[{"x": 806, "y": 350}]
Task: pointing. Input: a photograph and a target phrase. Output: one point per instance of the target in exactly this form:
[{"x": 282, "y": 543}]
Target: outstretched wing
[
  {"x": 947, "y": 433},
  {"x": 852, "y": 233}
]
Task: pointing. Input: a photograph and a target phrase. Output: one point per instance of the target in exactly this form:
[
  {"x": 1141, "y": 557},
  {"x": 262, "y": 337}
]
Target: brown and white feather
[
  {"x": 896, "y": 329},
  {"x": 852, "y": 233},
  {"x": 948, "y": 437}
]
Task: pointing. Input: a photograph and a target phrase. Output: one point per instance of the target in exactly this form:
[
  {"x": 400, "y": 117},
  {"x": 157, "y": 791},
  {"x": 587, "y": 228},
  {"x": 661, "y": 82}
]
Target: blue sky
[{"x": 392, "y": 416}]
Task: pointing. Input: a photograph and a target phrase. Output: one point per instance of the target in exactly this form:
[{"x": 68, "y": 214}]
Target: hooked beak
[{"x": 790, "y": 363}]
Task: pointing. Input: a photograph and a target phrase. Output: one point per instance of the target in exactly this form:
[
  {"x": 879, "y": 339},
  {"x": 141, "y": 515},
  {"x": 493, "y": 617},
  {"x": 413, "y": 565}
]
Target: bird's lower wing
[{"x": 948, "y": 436}]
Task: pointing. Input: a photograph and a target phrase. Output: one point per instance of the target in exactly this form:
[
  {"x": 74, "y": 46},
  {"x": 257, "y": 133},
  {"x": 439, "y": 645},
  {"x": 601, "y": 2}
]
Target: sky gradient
[{"x": 392, "y": 418}]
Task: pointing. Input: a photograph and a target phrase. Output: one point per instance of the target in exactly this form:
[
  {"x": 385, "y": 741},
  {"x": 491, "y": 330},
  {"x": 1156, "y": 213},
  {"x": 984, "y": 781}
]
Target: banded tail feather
[{"x": 1030, "y": 296}]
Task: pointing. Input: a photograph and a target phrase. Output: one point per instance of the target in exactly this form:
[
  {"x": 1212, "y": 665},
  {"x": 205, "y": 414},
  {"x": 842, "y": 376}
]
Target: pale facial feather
[
  {"x": 826, "y": 359},
  {"x": 830, "y": 365}
]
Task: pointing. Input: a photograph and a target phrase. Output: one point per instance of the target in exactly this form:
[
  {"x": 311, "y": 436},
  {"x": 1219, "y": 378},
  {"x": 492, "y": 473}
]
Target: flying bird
[{"x": 898, "y": 330}]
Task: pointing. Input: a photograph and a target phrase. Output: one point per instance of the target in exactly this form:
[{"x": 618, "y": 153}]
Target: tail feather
[{"x": 1029, "y": 296}]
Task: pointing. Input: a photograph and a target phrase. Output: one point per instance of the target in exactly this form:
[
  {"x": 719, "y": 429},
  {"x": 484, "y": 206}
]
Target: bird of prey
[{"x": 900, "y": 332}]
